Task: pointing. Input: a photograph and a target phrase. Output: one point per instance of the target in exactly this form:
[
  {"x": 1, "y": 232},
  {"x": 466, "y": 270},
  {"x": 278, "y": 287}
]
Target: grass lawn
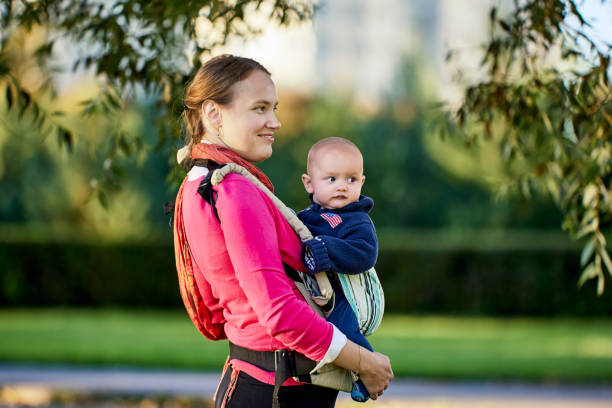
[{"x": 546, "y": 350}]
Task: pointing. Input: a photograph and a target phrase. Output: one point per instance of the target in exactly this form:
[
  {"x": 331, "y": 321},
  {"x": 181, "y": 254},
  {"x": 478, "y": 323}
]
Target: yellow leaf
[
  {"x": 589, "y": 194},
  {"x": 606, "y": 259}
]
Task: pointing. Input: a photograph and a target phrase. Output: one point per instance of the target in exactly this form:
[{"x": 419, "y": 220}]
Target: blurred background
[{"x": 478, "y": 285}]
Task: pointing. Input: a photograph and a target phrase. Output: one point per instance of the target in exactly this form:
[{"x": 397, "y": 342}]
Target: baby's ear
[
  {"x": 307, "y": 183},
  {"x": 362, "y": 180}
]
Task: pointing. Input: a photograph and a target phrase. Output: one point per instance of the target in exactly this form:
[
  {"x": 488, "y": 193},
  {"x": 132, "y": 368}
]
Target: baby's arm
[{"x": 354, "y": 252}]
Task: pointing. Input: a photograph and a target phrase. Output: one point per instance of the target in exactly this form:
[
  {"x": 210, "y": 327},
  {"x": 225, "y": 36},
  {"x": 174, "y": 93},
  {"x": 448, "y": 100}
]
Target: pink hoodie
[{"x": 242, "y": 259}]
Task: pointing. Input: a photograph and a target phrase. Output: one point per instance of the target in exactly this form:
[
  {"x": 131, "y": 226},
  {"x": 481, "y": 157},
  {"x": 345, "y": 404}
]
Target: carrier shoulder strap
[
  {"x": 205, "y": 188},
  {"x": 324, "y": 296}
]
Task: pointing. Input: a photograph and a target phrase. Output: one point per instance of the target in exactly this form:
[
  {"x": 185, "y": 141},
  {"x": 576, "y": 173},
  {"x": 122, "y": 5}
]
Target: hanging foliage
[
  {"x": 546, "y": 99},
  {"x": 133, "y": 47}
]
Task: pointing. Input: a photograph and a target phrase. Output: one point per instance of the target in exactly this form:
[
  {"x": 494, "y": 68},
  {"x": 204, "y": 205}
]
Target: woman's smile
[{"x": 268, "y": 136}]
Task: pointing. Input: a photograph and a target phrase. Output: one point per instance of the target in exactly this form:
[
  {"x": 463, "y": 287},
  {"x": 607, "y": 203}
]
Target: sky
[{"x": 600, "y": 16}]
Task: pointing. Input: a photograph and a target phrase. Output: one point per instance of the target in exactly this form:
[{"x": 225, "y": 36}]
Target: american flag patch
[{"x": 333, "y": 219}]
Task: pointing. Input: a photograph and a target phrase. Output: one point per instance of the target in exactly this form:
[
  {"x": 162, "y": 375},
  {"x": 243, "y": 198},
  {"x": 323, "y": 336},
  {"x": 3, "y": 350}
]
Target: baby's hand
[
  {"x": 314, "y": 255},
  {"x": 309, "y": 261}
]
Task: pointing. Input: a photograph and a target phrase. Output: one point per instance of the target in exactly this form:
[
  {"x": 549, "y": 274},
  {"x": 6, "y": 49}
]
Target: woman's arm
[{"x": 373, "y": 368}]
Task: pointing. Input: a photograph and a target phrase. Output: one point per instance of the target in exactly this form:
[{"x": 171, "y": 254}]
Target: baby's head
[{"x": 335, "y": 173}]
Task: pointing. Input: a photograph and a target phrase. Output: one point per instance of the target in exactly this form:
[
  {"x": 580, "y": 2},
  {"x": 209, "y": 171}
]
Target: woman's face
[{"x": 249, "y": 122}]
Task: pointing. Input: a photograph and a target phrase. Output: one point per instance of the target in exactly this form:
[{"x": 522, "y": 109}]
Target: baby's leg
[{"x": 343, "y": 317}]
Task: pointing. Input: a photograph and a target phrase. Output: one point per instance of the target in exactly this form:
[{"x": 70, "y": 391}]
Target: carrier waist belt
[
  {"x": 284, "y": 363},
  {"x": 269, "y": 360}
]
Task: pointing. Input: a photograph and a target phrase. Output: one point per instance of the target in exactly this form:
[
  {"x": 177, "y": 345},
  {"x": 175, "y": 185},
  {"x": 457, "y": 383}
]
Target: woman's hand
[
  {"x": 373, "y": 368},
  {"x": 375, "y": 372}
]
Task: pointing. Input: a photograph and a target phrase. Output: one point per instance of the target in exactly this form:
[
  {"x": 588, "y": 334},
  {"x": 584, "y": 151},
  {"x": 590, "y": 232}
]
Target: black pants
[{"x": 244, "y": 391}]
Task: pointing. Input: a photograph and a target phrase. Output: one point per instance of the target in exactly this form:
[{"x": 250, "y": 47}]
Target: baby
[{"x": 344, "y": 236}]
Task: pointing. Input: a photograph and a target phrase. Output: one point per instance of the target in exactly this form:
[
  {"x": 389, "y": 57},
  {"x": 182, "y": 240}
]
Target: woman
[{"x": 231, "y": 257}]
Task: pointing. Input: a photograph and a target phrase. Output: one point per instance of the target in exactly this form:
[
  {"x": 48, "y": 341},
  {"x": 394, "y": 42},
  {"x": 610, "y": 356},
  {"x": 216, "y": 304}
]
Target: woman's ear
[
  {"x": 211, "y": 115},
  {"x": 307, "y": 183}
]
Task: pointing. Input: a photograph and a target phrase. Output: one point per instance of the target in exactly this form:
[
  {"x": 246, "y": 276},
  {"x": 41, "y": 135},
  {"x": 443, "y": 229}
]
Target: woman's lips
[{"x": 269, "y": 138}]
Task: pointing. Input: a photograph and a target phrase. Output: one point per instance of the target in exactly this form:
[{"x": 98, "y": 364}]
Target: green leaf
[
  {"x": 546, "y": 120},
  {"x": 589, "y": 272},
  {"x": 102, "y": 199},
  {"x": 587, "y": 252},
  {"x": 9, "y": 97},
  {"x": 124, "y": 145},
  {"x": 600, "y": 285},
  {"x": 568, "y": 132},
  {"x": 525, "y": 188},
  {"x": 4, "y": 69},
  {"x": 118, "y": 172},
  {"x": 586, "y": 229},
  {"x": 553, "y": 188},
  {"x": 25, "y": 99},
  {"x": 45, "y": 50},
  {"x": 112, "y": 101},
  {"x": 64, "y": 137}
]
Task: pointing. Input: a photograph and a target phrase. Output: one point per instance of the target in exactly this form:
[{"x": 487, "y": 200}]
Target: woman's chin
[{"x": 261, "y": 155}]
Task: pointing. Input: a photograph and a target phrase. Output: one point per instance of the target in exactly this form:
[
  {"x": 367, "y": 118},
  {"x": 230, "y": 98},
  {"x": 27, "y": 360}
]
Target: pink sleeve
[{"x": 249, "y": 225}]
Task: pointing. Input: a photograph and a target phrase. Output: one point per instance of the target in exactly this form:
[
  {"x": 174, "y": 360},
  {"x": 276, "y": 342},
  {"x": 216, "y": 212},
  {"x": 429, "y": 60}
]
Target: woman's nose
[{"x": 273, "y": 122}]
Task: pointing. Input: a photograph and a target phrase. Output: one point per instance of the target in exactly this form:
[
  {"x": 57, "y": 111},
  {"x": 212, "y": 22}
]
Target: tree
[
  {"x": 134, "y": 47},
  {"x": 546, "y": 100}
]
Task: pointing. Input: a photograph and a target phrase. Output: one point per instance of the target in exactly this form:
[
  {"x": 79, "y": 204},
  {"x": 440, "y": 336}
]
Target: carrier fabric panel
[{"x": 365, "y": 295}]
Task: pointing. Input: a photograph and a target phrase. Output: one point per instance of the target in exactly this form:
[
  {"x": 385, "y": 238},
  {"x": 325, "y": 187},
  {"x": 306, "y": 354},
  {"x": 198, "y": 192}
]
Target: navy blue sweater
[{"x": 344, "y": 239}]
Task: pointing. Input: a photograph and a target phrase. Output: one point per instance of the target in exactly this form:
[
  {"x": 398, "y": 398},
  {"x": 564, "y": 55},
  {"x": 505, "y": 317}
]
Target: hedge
[{"x": 475, "y": 282}]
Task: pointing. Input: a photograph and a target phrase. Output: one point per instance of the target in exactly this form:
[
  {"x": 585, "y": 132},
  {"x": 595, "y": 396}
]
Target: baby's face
[{"x": 335, "y": 177}]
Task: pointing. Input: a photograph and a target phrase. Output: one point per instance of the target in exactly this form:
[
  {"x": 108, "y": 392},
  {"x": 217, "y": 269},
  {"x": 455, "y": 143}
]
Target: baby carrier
[{"x": 363, "y": 291}]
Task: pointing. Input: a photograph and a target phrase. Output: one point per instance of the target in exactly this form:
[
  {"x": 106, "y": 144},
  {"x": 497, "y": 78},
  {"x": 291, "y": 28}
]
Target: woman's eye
[
  {"x": 331, "y": 179},
  {"x": 260, "y": 108}
]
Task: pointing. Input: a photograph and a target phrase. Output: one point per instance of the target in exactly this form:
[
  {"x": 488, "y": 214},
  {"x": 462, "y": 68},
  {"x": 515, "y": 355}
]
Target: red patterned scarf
[
  {"x": 190, "y": 291},
  {"x": 222, "y": 155}
]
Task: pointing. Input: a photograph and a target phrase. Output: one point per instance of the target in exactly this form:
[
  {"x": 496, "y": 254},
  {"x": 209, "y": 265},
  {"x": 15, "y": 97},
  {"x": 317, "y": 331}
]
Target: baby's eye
[
  {"x": 352, "y": 179},
  {"x": 331, "y": 179}
]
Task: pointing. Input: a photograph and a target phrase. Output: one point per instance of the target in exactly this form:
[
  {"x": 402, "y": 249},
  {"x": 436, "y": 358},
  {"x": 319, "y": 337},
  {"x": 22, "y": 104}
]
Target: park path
[{"x": 41, "y": 381}]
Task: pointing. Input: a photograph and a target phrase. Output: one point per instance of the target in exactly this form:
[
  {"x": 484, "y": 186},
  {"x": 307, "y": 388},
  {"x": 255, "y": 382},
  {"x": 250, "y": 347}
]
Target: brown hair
[{"x": 214, "y": 81}]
